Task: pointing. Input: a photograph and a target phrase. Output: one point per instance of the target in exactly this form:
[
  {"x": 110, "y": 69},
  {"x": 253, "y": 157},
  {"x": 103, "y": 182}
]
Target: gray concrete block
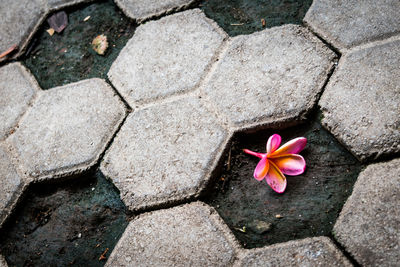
[
  {"x": 3, "y": 262},
  {"x": 53, "y": 5},
  {"x": 17, "y": 90},
  {"x": 368, "y": 226},
  {"x": 166, "y": 57},
  {"x": 19, "y": 21},
  {"x": 12, "y": 185},
  {"x": 270, "y": 76},
  {"x": 164, "y": 153},
  {"x": 67, "y": 129},
  {"x": 189, "y": 235},
  {"x": 361, "y": 103},
  {"x": 348, "y": 23},
  {"x": 316, "y": 251},
  {"x": 141, "y": 10}
]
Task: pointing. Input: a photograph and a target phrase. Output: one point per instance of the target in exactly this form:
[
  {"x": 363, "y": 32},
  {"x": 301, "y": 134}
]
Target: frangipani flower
[{"x": 279, "y": 161}]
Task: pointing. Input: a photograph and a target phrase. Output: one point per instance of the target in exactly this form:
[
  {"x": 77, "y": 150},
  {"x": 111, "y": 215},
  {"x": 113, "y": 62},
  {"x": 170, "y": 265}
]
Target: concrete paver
[
  {"x": 361, "y": 103},
  {"x": 19, "y": 21},
  {"x": 164, "y": 153},
  {"x": 59, "y": 4},
  {"x": 3, "y": 262},
  {"x": 368, "y": 226},
  {"x": 270, "y": 76},
  {"x": 317, "y": 251},
  {"x": 166, "y": 57},
  {"x": 141, "y": 10},
  {"x": 12, "y": 184},
  {"x": 189, "y": 235},
  {"x": 345, "y": 24},
  {"x": 17, "y": 90},
  {"x": 67, "y": 129}
]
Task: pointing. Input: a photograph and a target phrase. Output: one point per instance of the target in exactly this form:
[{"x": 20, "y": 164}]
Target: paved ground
[{"x": 179, "y": 90}]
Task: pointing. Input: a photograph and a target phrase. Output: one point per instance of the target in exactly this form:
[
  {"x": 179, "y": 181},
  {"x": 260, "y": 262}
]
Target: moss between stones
[
  {"x": 68, "y": 57},
  {"x": 311, "y": 203},
  {"x": 244, "y": 16},
  {"x": 71, "y": 223}
]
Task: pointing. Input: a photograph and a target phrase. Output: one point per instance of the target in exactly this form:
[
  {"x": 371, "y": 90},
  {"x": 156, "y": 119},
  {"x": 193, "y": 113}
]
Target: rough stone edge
[
  {"x": 375, "y": 155},
  {"x": 208, "y": 173},
  {"x": 323, "y": 239},
  {"x": 203, "y": 77},
  {"x": 84, "y": 166},
  {"x": 3, "y": 262},
  {"x": 214, "y": 217},
  {"x": 281, "y": 121},
  {"x": 154, "y": 15},
  {"x": 52, "y": 8},
  {"x": 36, "y": 87},
  {"x": 17, "y": 195}
]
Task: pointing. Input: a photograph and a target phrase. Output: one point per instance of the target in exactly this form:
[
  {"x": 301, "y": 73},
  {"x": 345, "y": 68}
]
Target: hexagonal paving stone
[
  {"x": 19, "y": 21},
  {"x": 67, "y": 129},
  {"x": 141, "y": 10},
  {"x": 317, "y": 251},
  {"x": 165, "y": 57},
  {"x": 270, "y": 76},
  {"x": 368, "y": 225},
  {"x": 17, "y": 89},
  {"x": 189, "y": 235},
  {"x": 59, "y": 4},
  {"x": 164, "y": 153},
  {"x": 361, "y": 102},
  {"x": 12, "y": 184},
  {"x": 348, "y": 23}
]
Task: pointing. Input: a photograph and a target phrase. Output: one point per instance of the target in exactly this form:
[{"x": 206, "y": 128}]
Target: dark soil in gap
[
  {"x": 311, "y": 203},
  {"x": 68, "y": 57},
  {"x": 72, "y": 223},
  {"x": 244, "y": 16}
]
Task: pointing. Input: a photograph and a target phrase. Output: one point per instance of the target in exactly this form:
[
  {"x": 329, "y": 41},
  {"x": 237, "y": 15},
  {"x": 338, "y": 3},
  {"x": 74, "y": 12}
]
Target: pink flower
[{"x": 279, "y": 161}]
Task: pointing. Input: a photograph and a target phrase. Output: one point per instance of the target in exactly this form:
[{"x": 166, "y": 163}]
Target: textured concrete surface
[
  {"x": 270, "y": 76},
  {"x": 164, "y": 153},
  {"x": 19, "y": 20},
  {"x": 368, "y": 226},
  {"x": 12, "y": 184},
  {"x": 17, "y": 90},
  {"x": 3, "y": 262},
  {"x": 348, "y": 23},
  {"x": 59, "y": 4},
  {"x": 141, "y": 10},
  {"x": 67, "y": 129},
  {"x": 189, "y": 235},
  {"x": 361, "y": 104},
  {"x": 165, "y": 57},
  {"x": 317, "y": 251}
]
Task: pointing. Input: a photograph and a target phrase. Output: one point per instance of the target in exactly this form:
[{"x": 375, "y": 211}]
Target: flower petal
[
  {"x": 292, "y": 147},
  {"x": 261, "y": 169},
  {"x": 273, "y": 143},
  {"x": 290, "y": 164},
  {"x": 275, "y": 178}
]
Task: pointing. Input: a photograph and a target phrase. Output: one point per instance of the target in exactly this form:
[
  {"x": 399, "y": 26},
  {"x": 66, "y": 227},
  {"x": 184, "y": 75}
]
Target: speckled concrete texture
[
  {"x": 141, "y": 10},
  {"x": 361, "y": 104},
  {"x": 271, "y": 76},
  {"x": 17, "y": 90},
  {"x": 166, "y": 57},
  {"x": 345, "y": 24},
  {"x": 12, "y": 184},
  {"x": 53, "y": 5},
  {"x": 189, "y": 235},
  {"x": 368, "y": 226},
  {"x": 19, "y": 21},
  {"x": 67, "y": 129},
  {"x": 3, "y": 262},
  {"x": 164, "y": 153},
  {"x": 317, "y": 251}
]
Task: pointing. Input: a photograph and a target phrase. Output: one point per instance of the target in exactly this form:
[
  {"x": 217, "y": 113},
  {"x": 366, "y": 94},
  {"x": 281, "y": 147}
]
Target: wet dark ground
[
  {"x": 311, "y": 203},
  {"x": 68, "y": 57},
  {"x": 72, "y": 223},
  {"x": 244, "y": 16}
]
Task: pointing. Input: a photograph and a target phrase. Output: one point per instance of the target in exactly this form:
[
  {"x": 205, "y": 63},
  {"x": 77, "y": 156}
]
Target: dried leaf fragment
[
  {"x": 263, "y": 23},
  {"x": 103, "y": 255},
  {"x": 58, "y": 21},
  {"x": 50, "y": 31},
  {"x": 100, "y": 44},
  {"x": 8, "y": 51}
]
